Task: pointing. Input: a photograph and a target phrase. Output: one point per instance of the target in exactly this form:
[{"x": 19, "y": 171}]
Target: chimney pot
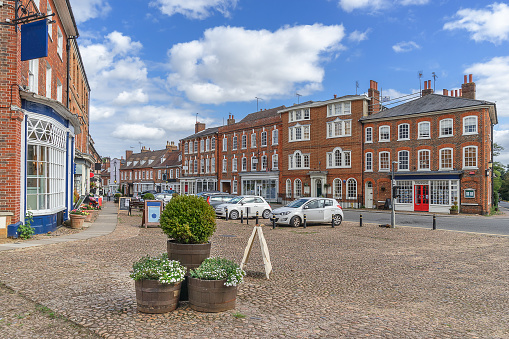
[
  {"x": 464, "y": 79},
  {"x": 425, "y": 85},
  {"x": 429, "y": 84},
  {"x": 470, "y": 78},
  {"x": 335, "y": 96},
  {"x": 445, "y": 92},
  {"x": 455, "y": 92},
  {"x": 461, "y": 93}
]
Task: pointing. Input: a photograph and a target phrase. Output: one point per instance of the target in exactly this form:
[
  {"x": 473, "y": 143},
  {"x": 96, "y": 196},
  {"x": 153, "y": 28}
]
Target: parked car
[
  {"x": 248, "y": 204},
  {"x": 169, "y": 191},
  {"x": 165, "y": 197},
  {"x": 206, "y": 193},
  {"x": 218, "y": 199},
  {"x": 317, "y": 210}
]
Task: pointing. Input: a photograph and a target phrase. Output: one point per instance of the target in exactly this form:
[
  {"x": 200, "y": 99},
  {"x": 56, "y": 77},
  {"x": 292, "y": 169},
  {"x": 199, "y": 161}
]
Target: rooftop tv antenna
[
  {"x": 298, "y": 97},
  {"x": 257, "y": 102},
  {"x": 139, "y": 142},
  {"x": 197, "y": 117},
  {"x": 420, "y": 86},
  {"x": 435, "y": 77},
  {"x": 356, "y": 87}
]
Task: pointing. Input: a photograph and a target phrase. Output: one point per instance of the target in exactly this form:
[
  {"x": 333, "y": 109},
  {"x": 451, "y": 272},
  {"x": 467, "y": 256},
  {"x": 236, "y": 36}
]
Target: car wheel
[
  {"x": 234, "y": 215},
  {"x": 266, "y": 214},
  {"x": 295, "y": 221},
  {"x": 337, "y": 219}
]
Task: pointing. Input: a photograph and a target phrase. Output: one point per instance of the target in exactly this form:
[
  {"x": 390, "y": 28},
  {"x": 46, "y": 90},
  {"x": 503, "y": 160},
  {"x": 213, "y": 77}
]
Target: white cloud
[
  {"x": 100, "y": 113},
  {"x": 501, "y": 137},
  {"x": 138, "y": 132},
  {"x": 127, "y": 98},
  {"x": 405, "y": 46},
  {"x": 490, "y": 24},
  {"x": 84, "y": 10},
  {"x": 235, "y": 64},
  {"x": 491, "y": 82},
  {"x": 357, "y": 36},
  {"x": 375, "y": 5},
  {"x": 195, "y": 9}
]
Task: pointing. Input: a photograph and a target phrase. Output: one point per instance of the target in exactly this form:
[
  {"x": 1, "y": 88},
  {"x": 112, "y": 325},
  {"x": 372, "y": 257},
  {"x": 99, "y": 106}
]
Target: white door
[{"x": 369, "y": 195}]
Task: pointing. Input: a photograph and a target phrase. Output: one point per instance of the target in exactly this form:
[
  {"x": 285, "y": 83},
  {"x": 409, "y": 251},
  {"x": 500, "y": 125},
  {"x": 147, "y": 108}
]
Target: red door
[{"x": 421, "y": 201}]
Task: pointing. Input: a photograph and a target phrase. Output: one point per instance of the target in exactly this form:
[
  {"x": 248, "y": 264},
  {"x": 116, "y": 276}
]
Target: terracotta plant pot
[
  {"x": 211, "y": 295},
  {"x": 154, "y": 297},
  {"x": 77, "y": 220},
  {"x": 88, "y": 217}
]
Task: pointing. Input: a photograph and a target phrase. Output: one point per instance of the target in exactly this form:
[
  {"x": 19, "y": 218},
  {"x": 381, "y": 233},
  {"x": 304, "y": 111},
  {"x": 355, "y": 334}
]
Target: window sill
[
  {"x": 470, "y": 133},
  {"x": 404, "y": 139},
  {"x": 470, "y": 168},
  {"x": 384, "y": 140},
  {"x": 370, "y": 171},
  {"x": 446, "y": 136},
  {"x": 384, "y": 170},
  {"x": 423, "y": 138},
  {"x": 368, "y": 142},
  {"x": 424, "y": 170},
  {"x": 339, "y": 136}
]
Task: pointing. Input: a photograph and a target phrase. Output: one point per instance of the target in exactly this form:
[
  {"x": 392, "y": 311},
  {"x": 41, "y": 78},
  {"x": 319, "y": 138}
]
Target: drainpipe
[
  {"x": 491, "y": 172},
  {"x": 68, "y": 46}
]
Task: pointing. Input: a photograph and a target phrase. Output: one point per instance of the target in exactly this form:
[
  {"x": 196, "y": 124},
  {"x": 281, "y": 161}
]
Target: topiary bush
[
  {"x": 188, "y": 220},
  {"x": 148, "y": 196}
]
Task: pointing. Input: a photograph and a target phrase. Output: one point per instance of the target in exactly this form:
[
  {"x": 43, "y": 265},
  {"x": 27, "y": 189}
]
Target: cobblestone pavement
[{"x": 342, "y": 282}]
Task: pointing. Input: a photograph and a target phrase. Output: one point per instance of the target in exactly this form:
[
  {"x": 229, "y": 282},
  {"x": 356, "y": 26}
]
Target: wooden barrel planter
[
  {"x": 211, "y": 295},
  {"x": 190, "y": 256},
  {"x": 77, "y": 220},
  {"x": 154, "y": 297}
]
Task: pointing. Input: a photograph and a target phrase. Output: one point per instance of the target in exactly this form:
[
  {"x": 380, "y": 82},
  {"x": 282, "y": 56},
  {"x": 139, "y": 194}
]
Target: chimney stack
[
  {"x": 374, "y": 98},
  {"x": 427, "y": 88},
  {"x": 468, "y": 88},
  {"x": 171, "y": 146},
  {"x": 128, "y": 154},
  {"x": 335, "y": 96},
  {"x": 198, "y": 127},
  {"x": 231, "y": 120}
]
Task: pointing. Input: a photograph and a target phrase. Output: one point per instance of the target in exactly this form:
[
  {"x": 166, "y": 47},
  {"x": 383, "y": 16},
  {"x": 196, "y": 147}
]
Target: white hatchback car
[
  {"x": 317, "y": 210},
  {"x": 248, "y": 204}
]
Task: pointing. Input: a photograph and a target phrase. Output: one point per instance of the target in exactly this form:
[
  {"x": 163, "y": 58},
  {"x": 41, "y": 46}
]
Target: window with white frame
[
  {"x": 48, "y": 80},
  {"x": 424, "y": 130},
  {"x": 423, "y": 159},
  {"x": 263, "y": 164},
  {"x": 207, "y": 145},
  {"x": 288, "y": 188},
  {"x": 369, "y": 134},
  {"x": 275, "y": 137},
  {"x": 225, "y": 144},
  {"x": 403, "y": 132},
  {"x": 186, "y": 148},
  {"x": 339, "y": 158},
  {"x": 196, "y": 146},
  {"x": 202, "y": 165},
  {"x": 33, "y": 75},
  {"x": 177, "y": 172},
  {"x": 207, "y": 165},
  {"x": 384, "y": 133},
  {"x": 351, "y": 188},
  {"x": 338, "y": 108},
  {"x": 384, "y": 161},
  {"x": 213, "y": 143},
  {"x": 235, "y": 186},
  {"x": 263, "y": 139},
  {"x": 253, "y": 140},
  {"x": 299, "y": 133},
  {"x": 244, "y": 164},
  {"x": 212, "y": 165},
  {"x": 339, "y": 128},
  {"x": 299, "y": 114},
  {"x": 254, "y": 162},
  {"x": 159, "y": 174},
  {"x": 337, "y": 188},
  {"x": 297, "y": 160},
  {"x": 195, "y": 166},
  {"x": 60, "y": 42},
  {"x": 470, "y": 157},
  {"x": 275, "y": 162},
  {"x": 403, "y": 161},
  {"x": 446, "y": 128},
  {"x": 225, "y": 165},
  {"x": 186, "y": 168},
  {"x": 244, "y": 141},
  {"x": 202, "y": 145},
  {"x": 171, "y": 173},
  {"x": 234, "y": 165},
  {"x": 470, "y": 125},
  {"x": 446, "y": 157},
  {"x": 49, "y": 11},
  {"x": 440, "y": 192},
  {"x": 135, "y": 175},
  {"x": 130, "y": 175},
  {"x": 59, "y": 91},
  {"x": 151, "y": 174},
  {"x": 369, "y": 162},
  {"x": 234, "y": 142},
  {"x": 298, "y": 188}
]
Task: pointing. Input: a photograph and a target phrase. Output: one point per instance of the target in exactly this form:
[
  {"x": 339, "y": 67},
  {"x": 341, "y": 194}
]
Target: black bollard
[
  {"x": 226, "y": 211},
  {"x": 333, "y": 221},
  {"x": 273, "y": 222},
  {"x": 434, "y": 222},
  {"x": 241, "y": 216},
  {"x": 247, "y": 216},
  {"x": 257, "y": 218},
  {"x": 360, "y": 220},
  {"x": 305, "y": 222}
]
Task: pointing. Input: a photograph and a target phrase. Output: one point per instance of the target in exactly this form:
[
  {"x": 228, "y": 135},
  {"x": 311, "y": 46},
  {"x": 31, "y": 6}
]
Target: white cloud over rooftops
[
  {"x": 137, "y": 132},
  {"x": 195, "y": 9},
  {"x": 376, "y": 5},
  {"x": 84, "y": 10},
  {"x": 405, "y": 46}
]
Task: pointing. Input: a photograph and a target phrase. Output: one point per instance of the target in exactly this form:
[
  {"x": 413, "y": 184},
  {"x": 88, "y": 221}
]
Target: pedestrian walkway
[{"x": 104, "y": 224}]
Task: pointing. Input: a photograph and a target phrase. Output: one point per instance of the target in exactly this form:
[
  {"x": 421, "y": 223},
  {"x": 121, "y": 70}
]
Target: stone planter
[
  {"x": 77, "y": 220},
  {"x": 154, "y": 297},
  {"x": 190, "y": 256},
  {"x": 211, "y": 295}
]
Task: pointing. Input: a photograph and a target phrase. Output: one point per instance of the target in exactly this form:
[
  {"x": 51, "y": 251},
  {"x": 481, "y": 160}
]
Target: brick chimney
[
  {"x": 374, "y": 96},
  {"x": 144, "y": 149},
  {"x": 171, "y": 146},
  {"x": 198, "y": 127},
  {"x": 128, "y": 154},
  {"x": 445, "y": 92},
  {"x": 468, "y": 88},
  {"x": 231, "y": 120},
  {"x": 427, "y": 88}
]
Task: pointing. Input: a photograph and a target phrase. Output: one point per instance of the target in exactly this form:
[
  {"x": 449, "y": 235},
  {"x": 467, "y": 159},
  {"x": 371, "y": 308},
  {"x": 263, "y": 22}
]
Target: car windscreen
[
  {"x": 297, "y": 203},
  {"x": 235, "y": 200}
]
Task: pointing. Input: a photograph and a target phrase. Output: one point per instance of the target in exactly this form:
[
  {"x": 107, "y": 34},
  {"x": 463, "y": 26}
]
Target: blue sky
[{"x": 152, "y": 65}]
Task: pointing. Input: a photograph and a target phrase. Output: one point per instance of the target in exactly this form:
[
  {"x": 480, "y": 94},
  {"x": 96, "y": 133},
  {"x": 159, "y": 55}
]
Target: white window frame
[
  {"x": 275, "y": 136},
  {"x": 59, "y": 91},
  {"x": 440, "y": 155},
  {"x": 60, "y": 43},
  {"x": 253, "y": 140},
  {"x": 368, "y": 163},
  {"x": 225, "y": 165},
  {"x": 263, "y": 137},
  {"x": 244, "y": 141},
  {"x": 244, "y": 164},
  {"x": 254, "y": 163},
  {"x": 331, "y": 158},
  {"x": 337, "y": 188},
  {"x": 339, "y": 108},
  {"x": 33, "y": 75},
  {"x": 476, "y": 157},
  {"x": 465, "y": 125},
  {"x": 235, "y": 141},
  {"x": 288, "y": 188},
  {"x": 297, "y": 188},
  {"x": 332, "y": 131},
  {"x": 400, "y": 127},
  {"x": 263, "y": 163},
  {"x": 348, "y": 191},
  {"x": 419, "y": 128},
  {"x": 419, "y": 167},
  {"x": 380, "y": 169},
  {"x": 275, "y": 161},
  {"x": 225, "y": 144},
  {"x": 292, "y": 164},
  {"x": 213, "y": 144},
  {"x": 234, "y": 165},
  {"x": 49, "y": 11},
  {"x": 48, "y": 80},
  {"x": 442, "y": 122},
  {"x": 380, "y": 133},
  {"x": 195, "y": 148},
  {"x": 369, "y": 136},
  {"x": 299, "y": 114},
  {"x": 305, "y": 131},
  {"x": 400, "y": 160}
]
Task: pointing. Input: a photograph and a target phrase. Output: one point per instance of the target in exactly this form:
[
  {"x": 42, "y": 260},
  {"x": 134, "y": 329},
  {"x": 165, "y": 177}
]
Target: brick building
[
  {"x": 168, "y": 172},
  {"x": 443, "y": 148},
  {"x": 37, "y": 125},
  {"x": 199, "y": 171},
  {"x": 249, "y": 154}
]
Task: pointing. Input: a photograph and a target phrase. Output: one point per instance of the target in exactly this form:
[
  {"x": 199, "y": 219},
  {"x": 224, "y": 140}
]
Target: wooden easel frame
[
  {"x": 144, "y": 219},
  {"x": 265, "y": 250}
]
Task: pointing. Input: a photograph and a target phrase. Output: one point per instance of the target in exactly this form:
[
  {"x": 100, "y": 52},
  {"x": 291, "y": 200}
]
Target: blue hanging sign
[{"x": 34, "y": 40}]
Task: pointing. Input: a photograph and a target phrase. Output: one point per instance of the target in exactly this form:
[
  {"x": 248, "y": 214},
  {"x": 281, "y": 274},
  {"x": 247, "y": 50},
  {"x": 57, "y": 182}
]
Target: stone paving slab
[{"x": 343, "y": 282}]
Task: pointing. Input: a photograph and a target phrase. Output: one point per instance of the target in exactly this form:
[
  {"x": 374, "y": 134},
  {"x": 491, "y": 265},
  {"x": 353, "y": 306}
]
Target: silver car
[
  {"x": 247, "y": 204},
  {"x": 316, "y": 210},
  {"x": 165, "y": 197}
]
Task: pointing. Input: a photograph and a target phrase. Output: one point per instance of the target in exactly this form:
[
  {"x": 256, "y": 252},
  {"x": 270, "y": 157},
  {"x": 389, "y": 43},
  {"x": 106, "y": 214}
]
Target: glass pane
[
  {"x": 31, "y": 168},
  {"x": 31, "y": 183},
  {"x": 32, "y": 152},
  {"x": 31, "y": 202}
]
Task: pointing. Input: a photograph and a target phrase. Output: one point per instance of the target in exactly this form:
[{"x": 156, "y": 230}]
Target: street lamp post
[{"x": 393, "y": 211}]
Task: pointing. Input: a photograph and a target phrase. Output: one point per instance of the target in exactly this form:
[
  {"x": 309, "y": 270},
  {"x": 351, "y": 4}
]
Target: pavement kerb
[{"x": 104, "y": 224}]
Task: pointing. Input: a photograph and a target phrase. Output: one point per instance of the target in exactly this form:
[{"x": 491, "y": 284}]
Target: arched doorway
[
  {"x": 318, "y": 187},
  {"x": 369, "y": 195}
]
